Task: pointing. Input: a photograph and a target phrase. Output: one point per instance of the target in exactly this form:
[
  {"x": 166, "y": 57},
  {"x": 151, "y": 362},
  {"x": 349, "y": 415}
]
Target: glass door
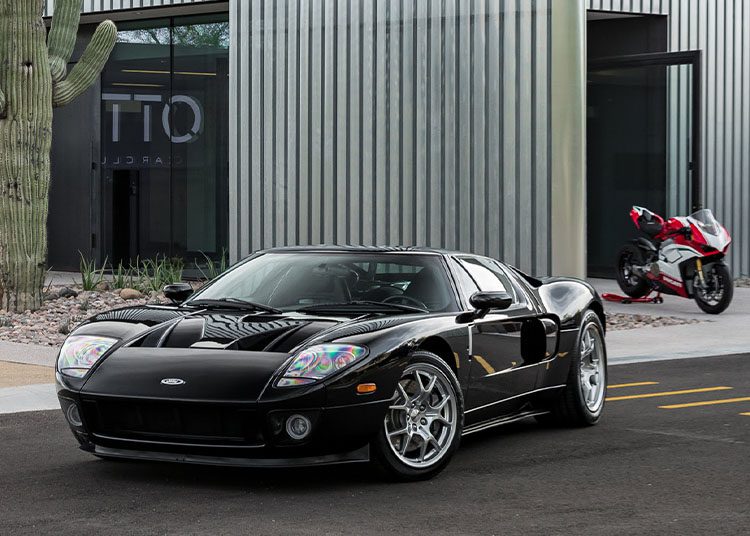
[
  {"x": 643, "y": 140},
  {"x": 165, "y": 123}
]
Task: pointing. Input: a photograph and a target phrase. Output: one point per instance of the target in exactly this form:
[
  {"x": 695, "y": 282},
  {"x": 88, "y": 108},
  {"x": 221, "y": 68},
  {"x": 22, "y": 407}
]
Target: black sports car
[{"x": 316, "y": 355}]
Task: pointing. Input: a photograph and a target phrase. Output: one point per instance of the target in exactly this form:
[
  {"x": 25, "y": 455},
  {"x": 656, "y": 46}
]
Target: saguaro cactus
[{"x": 33, "y": 79}]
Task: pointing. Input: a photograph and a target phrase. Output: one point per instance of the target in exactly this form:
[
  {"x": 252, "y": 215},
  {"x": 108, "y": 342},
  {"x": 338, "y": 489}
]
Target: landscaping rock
[
  {"x": 104, "y": 286},
  {"x": 67, "y": 292},
  {"x": 620, "y": 321},
  {"x": 57, "y": 315},
  {"x": 130, "y": 294}
]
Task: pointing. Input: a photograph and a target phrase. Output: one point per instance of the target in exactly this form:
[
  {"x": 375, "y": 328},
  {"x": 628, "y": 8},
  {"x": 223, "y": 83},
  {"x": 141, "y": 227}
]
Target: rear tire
[
  {"x": 422, "y": 428},
  {"x": 582, "y": 400},
  {"x": 724, "y": 278},
  {"x": 631, "y": 284}
]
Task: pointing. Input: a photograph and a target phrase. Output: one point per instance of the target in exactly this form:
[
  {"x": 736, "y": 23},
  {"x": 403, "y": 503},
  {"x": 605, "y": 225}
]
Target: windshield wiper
[
  {"x": 233, "y": 303},
  {"x": 361, "y": 303}
]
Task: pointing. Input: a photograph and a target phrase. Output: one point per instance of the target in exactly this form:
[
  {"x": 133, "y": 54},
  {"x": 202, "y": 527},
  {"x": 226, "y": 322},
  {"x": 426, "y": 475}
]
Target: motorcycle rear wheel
[
  {"x": 631, "y": 284},
  {"x": 719, "y": 298}
]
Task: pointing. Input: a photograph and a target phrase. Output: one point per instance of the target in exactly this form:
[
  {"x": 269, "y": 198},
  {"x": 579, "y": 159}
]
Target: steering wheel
[{"x": 402, "y": 298}]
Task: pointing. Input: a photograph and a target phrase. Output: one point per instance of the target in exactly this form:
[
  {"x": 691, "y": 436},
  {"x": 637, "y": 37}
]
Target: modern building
[{"x": 523, "y": 129}]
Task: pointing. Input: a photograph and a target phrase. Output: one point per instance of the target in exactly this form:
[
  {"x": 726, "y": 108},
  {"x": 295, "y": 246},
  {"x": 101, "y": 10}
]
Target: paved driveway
[{"x": 670, "y": 457}]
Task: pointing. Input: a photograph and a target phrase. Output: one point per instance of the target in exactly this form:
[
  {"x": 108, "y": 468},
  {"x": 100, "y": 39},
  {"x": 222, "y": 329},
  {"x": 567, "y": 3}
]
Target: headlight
[
  {"x": 318, "y": 362},
  {"x": 80, "y": 352}
]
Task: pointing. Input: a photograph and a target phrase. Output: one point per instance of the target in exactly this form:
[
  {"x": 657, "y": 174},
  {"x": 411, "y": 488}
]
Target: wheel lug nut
[{"x": 424, "y": 421}]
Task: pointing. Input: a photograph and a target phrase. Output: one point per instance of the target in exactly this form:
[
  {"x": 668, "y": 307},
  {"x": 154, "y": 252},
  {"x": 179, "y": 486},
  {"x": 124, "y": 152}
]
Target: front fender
[{"x": 389, "y": 356}]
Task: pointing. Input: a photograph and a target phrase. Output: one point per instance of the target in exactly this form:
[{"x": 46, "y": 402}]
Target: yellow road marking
[
  {"x": 486, "y": 366},
  {"x": 668, "y": 393},
  {"x": 707, "y": 403},
  {"x": 635, "y": 384}
]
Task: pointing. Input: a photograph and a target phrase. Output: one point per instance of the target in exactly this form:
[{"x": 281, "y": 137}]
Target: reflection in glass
[{"x": 164, "y": 139}]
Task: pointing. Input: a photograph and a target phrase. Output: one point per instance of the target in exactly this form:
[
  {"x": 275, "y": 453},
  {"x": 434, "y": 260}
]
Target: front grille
[{"x": 172, "y": 422}]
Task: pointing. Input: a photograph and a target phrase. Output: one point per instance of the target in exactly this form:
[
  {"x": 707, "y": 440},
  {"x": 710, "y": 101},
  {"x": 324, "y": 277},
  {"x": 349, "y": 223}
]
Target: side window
[
  {"x": 488, "y": 275},
  {"x": 465, "y": 282}
]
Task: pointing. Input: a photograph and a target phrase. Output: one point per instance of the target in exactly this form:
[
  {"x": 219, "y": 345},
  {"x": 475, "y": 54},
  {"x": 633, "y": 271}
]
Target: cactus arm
[
  {"x": 88, "y": 67},
  {"x": 62, "y": 36}
]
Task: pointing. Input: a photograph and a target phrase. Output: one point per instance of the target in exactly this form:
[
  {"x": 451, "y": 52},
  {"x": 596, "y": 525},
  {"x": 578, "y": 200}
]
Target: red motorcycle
[{"x": 682, "y": 256}]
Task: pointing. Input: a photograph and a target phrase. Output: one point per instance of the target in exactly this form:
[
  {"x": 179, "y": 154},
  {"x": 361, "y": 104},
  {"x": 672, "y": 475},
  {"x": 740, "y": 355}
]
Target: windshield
[
  {"x": 299, "y": 280},
  {"x": 706, "y": 222}
]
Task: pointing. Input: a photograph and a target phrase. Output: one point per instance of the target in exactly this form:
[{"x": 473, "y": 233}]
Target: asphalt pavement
[{"x": 671, "y": 456}]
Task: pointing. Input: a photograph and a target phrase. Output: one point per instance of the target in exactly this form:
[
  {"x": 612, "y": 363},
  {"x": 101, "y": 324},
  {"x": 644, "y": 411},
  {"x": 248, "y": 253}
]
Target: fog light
[
  {"x": 298, "y": 427},
  {"x": 73, "y": 416}
]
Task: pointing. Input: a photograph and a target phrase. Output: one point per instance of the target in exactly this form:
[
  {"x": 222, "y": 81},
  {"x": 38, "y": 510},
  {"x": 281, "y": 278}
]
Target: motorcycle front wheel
[
  {"x": 717, "y": 294},
  {"x": 630, "y": 282}
]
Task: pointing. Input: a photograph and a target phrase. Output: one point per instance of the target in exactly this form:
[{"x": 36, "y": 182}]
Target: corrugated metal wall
[
  {"x": 720, "y": 30},
  {"x": 90, "y": 6},
  {"x": 392, "y": 122}
]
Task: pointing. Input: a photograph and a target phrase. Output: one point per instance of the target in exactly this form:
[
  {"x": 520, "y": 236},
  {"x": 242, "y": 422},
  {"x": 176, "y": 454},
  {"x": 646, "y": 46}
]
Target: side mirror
[
  {"x": 178, "y": 292},
  {"x": 484, "y": 301}
]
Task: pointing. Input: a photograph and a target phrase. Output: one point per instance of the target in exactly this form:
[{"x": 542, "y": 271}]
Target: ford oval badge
[{"x": 172, "y": 381}]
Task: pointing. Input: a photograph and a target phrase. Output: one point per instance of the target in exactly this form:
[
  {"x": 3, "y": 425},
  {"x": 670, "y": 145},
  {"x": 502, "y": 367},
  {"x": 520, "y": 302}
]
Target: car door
[{"x": 498, "y": 373}]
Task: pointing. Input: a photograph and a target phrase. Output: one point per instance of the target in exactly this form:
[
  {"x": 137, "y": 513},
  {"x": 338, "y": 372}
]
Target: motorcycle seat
[{"x": 650, "y": 223}]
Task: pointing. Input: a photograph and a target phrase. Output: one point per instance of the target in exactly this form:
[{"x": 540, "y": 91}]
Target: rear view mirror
[{"x": 178, "y": 292}]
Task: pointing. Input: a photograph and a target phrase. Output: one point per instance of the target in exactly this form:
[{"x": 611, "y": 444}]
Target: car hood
[
  {"x": 171, "y": 327},
  {"x": 168, "y": 373},
  {"x": 210, "y": 355}
]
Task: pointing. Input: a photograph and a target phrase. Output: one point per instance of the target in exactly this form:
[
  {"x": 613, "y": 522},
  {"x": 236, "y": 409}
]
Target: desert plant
[
  {"x": 210, "y": 269},
  {"x": 122, "y": 277},
  {"x": 33, "y": 80},
  {"x": 155, "y": 273},
  {"x": 91, "y": 275}
]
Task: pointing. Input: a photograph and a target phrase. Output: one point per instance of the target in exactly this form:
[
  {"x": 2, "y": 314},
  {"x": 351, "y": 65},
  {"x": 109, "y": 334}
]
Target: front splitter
[{"x": 355, "y": 456}]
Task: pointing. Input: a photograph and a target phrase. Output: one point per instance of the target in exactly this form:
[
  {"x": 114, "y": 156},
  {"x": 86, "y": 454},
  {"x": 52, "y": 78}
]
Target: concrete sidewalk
[{"x": 724, "y": 334}]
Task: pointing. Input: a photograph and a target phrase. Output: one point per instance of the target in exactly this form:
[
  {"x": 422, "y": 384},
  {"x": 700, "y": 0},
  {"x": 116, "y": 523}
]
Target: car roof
[{"x": 365, "y": 249}]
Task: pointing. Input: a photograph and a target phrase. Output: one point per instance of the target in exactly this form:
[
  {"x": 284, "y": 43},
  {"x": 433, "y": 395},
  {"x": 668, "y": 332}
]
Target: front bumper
[{"x": 250, "y": 434}]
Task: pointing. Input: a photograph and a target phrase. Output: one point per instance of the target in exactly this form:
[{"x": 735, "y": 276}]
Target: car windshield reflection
[{"x": 318, "y": 281}]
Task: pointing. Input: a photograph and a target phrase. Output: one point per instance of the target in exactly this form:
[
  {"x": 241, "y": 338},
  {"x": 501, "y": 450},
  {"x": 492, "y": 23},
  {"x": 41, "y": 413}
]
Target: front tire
[
  {"x": 422, "y": 427},
  {"x": 631, "y": 284},
  {"x": 717, "y": 298},
  {"x": 582, "y": 400}
]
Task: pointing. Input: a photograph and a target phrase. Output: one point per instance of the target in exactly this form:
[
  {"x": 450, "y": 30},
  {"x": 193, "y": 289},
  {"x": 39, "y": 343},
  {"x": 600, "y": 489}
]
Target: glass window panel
[{"x": 165, "y": 139}]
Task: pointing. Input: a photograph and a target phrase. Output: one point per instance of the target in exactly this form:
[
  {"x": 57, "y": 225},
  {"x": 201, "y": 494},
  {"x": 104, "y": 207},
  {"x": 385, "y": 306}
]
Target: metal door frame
[{"x": 686, "y": 57}]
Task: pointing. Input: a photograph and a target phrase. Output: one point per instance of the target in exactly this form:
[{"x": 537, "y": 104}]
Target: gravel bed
[
  {"x": 742, "y": 282},
  {"x": 59, "y": 315},
  {"x": 622, "y": 321}
]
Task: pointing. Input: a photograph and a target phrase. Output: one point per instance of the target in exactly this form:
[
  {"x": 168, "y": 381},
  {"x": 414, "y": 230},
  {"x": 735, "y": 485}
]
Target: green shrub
[
  {"x": 154, "y": 274},
  {"x": 91, "y": 276},
  {"x": 122, "y": 277},
  {"x": 210, "y": 269}
]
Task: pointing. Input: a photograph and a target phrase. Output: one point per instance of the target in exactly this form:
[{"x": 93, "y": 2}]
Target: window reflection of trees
[{"x": 210, "y": 35}]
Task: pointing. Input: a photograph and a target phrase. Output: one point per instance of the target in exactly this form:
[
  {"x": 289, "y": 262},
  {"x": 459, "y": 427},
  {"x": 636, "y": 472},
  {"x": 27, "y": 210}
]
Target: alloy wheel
[
  {"x": 421, "y": 421},
  {"x": 592, "y": 371}
]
